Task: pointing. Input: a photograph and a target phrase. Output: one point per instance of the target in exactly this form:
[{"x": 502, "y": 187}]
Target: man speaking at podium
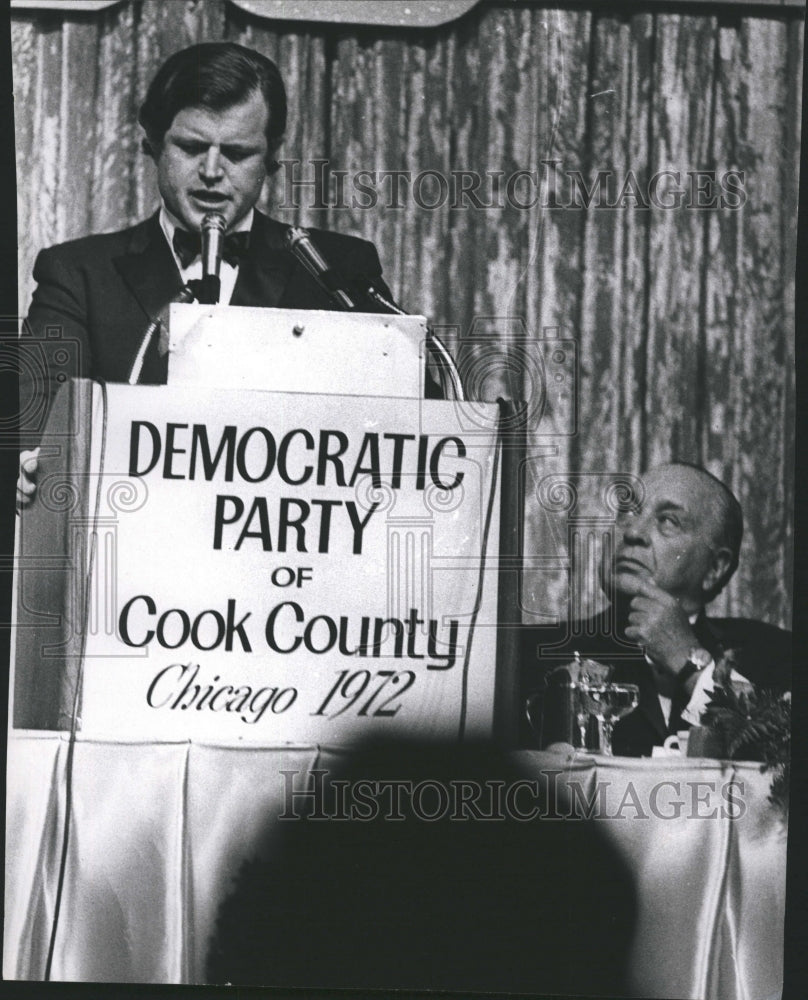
[{"x": 214, "y": 118}]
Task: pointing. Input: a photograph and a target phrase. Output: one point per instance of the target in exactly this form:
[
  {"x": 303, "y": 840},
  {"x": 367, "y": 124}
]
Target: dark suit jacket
[
  {"x": 762, "y": 654},
  {"x": 96, "y": 296}
]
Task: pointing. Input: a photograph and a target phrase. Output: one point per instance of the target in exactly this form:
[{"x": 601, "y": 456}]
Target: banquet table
[{"x": 158, "y": 831}]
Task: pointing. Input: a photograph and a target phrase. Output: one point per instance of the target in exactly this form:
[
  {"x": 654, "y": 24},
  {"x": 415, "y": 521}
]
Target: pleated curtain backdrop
[{"x": 680, "y": 320}]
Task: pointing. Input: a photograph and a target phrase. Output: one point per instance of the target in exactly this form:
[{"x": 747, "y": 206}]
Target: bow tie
[{"x": 188, "y": 246}]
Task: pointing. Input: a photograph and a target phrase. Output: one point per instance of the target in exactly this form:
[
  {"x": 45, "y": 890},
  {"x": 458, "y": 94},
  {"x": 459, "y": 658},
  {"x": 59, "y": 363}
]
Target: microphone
[
  {"x": 299, "y": 244},
  {"x": 213, "y": 226},
  {"x": 371, "y": 292}
]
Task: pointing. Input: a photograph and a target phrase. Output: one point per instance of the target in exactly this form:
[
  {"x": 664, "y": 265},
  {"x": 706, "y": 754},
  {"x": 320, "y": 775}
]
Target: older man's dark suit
[
  {"x": 762, "y": 653},
  {"x": 95, "y": 297}
]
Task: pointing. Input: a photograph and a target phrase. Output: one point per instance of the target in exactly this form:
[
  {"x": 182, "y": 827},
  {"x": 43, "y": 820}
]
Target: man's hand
[
  {"x": 26, "y": 482},
  {"x": 657, "y": 621}
]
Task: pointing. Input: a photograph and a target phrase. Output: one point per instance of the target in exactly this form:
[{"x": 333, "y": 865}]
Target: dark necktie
[{"x": 188, "y": 246}]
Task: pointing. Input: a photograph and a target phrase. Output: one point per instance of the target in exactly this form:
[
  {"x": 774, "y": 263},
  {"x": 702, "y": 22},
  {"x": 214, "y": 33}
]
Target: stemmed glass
[
  {"x": 587, "y": 673},
  {"x": 609, "y": 703},
  {"x": 582, "y": 710}
]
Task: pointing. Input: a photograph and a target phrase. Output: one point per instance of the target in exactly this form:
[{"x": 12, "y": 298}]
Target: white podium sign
[
  {"x": 297, "y": 350},
  {"x": 289, "y": 567}
]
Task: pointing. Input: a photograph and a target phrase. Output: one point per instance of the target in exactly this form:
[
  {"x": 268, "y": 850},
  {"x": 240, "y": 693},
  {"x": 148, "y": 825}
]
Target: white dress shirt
[
  {"x": 703, "y": 690},
  {"x": 227, "y": 274}
]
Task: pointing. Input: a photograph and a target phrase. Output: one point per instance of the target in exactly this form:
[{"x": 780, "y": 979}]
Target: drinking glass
[
  {"x": 609, "y": 703},
  {"x": 588, "y": 673},
  {"x": 582, "y": 709}
]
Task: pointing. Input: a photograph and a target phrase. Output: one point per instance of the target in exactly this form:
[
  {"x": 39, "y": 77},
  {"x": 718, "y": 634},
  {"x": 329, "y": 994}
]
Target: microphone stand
[
  {"x": 205, "y": 289},
  {"x": 298, "y": 243},
  {"x": 188, "y": 294},
  {"x": 444, "y": 361}
]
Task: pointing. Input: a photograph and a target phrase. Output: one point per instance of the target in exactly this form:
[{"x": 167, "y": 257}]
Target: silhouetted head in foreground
[{"x": 431, "y": 881}]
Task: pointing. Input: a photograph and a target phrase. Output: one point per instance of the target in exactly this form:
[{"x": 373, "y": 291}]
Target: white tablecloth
[{"x": 158, "y": 832}]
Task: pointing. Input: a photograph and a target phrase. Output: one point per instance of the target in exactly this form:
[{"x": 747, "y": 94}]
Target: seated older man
[{"x": 674, "y": 553}]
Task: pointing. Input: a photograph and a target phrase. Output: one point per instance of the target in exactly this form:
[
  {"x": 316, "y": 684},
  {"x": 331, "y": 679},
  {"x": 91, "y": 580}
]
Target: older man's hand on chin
[{"x": 657, "y": 621}]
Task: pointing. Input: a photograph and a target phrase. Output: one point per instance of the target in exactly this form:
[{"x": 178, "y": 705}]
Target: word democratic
[
  {"x": 328, "y": 459},
  {"x": 255, "y": 455}
]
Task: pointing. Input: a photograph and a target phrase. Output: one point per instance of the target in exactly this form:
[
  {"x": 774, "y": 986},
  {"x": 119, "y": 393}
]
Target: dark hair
[
  {"x": 213, "y": 75},
  {"x": 729, "y": 533},
  {"x": 438, "y": 896}
]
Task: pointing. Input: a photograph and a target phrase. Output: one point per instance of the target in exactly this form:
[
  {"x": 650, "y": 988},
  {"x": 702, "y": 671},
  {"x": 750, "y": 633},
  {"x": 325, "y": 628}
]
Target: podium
[{"x": 232, "y": 557}]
